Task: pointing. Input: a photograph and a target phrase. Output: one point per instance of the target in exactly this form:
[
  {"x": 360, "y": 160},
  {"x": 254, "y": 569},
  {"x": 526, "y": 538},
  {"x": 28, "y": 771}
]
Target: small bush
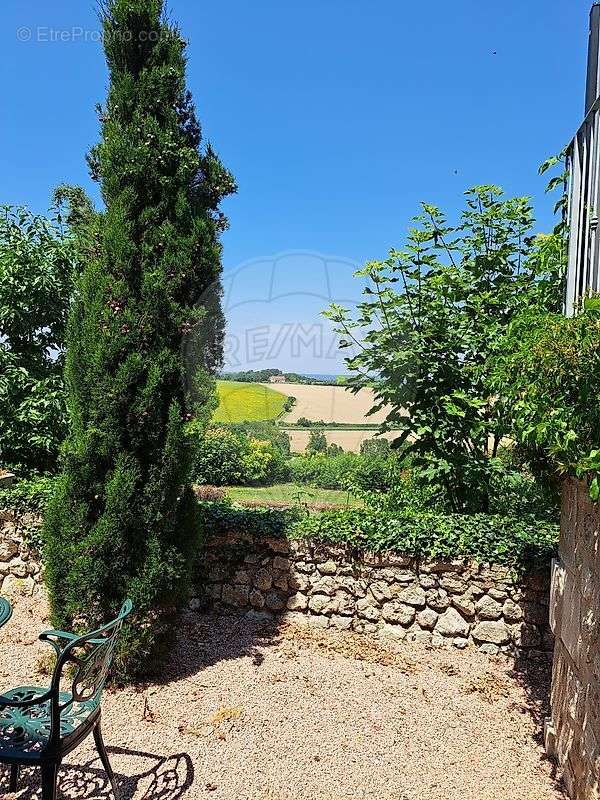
[
  {"x": 264, "y": 430},
  {"x": 548, "y": 378},
  {"x": 263, "y": 463},
  {"x": 375, "y": 448},
  {"x": 317, "y": 442},
  {"x": 347, "y": 471},
  {"x": 221, "y": 458},
  {"x": 323, "y": 472},
  {"x": 29, "y": 497}
]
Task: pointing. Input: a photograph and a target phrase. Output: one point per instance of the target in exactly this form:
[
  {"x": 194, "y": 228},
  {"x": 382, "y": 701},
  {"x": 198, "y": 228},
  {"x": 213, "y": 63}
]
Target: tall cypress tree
[{"x": 123, "y": 521}]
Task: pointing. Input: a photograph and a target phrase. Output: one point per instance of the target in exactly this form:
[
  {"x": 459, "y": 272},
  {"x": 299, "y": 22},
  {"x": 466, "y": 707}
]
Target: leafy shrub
[
  {"x": 323, "y": 472},
  {"x": 429, "y": 323},
  {"x": 334, "y": 449},
  {"x": 290, "y": 402},
  {"x": 29, "y": 497},
  {"x": 548, "y": 379},
  {"x": 515, "y": 542},
  {"x": 344, "y": 471},
  {"x": 264, "y": 430},
  {"x": 317, "y": 442},
  {"x": 374, "y": 474},
  {"x": 514, "y": 493},
  {"x": 375, "y": 448},
  {"x": 220, "y": 460},
  {"x": 263, "y": 463},
  {"x": 37, "y": 272}
]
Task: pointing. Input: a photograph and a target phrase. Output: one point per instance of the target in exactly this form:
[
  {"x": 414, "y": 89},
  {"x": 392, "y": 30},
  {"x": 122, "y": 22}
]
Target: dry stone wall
[
  {"x": 573, "y": 733},
  {"x": 20, "y": 564},
  {"x": 443, "y": 603}
]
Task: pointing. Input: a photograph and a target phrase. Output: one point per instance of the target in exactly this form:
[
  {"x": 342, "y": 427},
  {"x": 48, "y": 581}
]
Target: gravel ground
[{"x": 295, "y": 714}]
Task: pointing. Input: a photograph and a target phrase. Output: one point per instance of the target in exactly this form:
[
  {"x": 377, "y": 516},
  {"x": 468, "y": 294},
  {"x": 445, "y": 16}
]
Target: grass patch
[
  {"x": 247, "y": 402},
  {"x": 290, "y": 493}
]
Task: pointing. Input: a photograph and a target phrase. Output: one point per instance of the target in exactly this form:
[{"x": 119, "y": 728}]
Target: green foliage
[
  {"x": 29, "y": 497},
  {"x": 264, "y": 430},
  {"x": 334, "y": 449},
  {"x": 428, "y": 330},
  {"x": 549, "y": 381},
  {"x": 518, "y": 543},
  {"x": 375, "y": 448},
  {"x": 38, "y": 265},
  {"x": 263, "y": 463},
  {"x": 123, "y": 521},
  {"x": 317, "y": 442},
  {"x": 231, "y": 456},
  {"x": 221, "y": 458},
  {"x": 346, "y": 471},
  {"x": 290, "y": 402}
]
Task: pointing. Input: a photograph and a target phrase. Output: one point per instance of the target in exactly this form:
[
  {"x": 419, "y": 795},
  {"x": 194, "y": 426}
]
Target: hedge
[{"x": 515, "y": 542}]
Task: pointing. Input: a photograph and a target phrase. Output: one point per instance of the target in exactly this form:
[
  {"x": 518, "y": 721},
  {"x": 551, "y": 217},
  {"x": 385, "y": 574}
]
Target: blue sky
[{"x": 337, "y": 118}]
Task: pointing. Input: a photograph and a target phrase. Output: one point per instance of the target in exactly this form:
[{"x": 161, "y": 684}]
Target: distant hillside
[{"x": 265, "y": 375}]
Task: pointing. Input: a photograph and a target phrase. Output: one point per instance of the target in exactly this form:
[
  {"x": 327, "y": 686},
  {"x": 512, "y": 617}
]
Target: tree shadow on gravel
[
  {"x": 204, "y": 640},
  {"x": 156, "y": 778},
  {"x": 534, "y": 675}
]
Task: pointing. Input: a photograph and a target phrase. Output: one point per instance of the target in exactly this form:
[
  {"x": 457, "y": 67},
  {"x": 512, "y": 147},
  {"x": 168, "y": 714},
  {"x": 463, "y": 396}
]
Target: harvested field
[
  {"x": 248, "y": 711},
  {"x": 330, "y": 404},
  {"x": 349, "y": 441}
]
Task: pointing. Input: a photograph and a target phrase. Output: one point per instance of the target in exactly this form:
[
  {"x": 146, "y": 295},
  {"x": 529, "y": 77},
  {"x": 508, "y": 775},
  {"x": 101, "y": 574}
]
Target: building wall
[{"x": 573, "y": 733}]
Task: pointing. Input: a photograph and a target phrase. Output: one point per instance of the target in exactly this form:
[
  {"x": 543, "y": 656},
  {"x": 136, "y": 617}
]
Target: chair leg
[
  {"x": 49, "y": 780},
  {"x": 14, "y": 777},
  {"x": 104, "y": 759}
]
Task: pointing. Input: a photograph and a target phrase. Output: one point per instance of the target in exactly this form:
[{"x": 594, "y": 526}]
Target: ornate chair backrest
[{"x": 91, "y": 657}]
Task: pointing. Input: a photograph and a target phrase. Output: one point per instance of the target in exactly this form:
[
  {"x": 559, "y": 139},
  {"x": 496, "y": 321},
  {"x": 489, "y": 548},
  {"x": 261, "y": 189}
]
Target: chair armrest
[
  {"x": 33, "y": 701},
  {"x": 64, "y": 639}
]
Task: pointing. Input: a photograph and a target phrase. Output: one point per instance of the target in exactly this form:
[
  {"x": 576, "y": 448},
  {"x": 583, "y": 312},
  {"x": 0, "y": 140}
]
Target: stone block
[
  {"x": 256, "y": 598},
  {"x": 451, "y": 623},
  {"x": 297, "y": 602},
  {"x": 496, "y": 633},
  {"x": 427, "y": 619},
  {"x": 398, "y": 613},
  {"x": 380, "y": 591},
  {"x": 327, "y": 568},
  {"x": 411, "y": 596},
  {"x": 263, "y": 579},
  {"x": 235, "y": 595},
  {"x": 488, "y": 608}
]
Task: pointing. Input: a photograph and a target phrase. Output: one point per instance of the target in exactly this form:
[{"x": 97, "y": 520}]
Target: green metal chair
[
  {"x": 39, "y": 727},
  {"x": 5, "y": 611}
]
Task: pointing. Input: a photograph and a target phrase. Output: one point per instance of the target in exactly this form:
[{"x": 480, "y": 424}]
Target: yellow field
[{"x": 247, "y": 402}]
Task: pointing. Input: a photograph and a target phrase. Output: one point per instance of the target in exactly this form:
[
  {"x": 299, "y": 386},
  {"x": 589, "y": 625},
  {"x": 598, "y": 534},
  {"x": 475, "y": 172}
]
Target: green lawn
[
  {"x": 288, "y": 493},
  {"x": 247, "y": 402}
]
